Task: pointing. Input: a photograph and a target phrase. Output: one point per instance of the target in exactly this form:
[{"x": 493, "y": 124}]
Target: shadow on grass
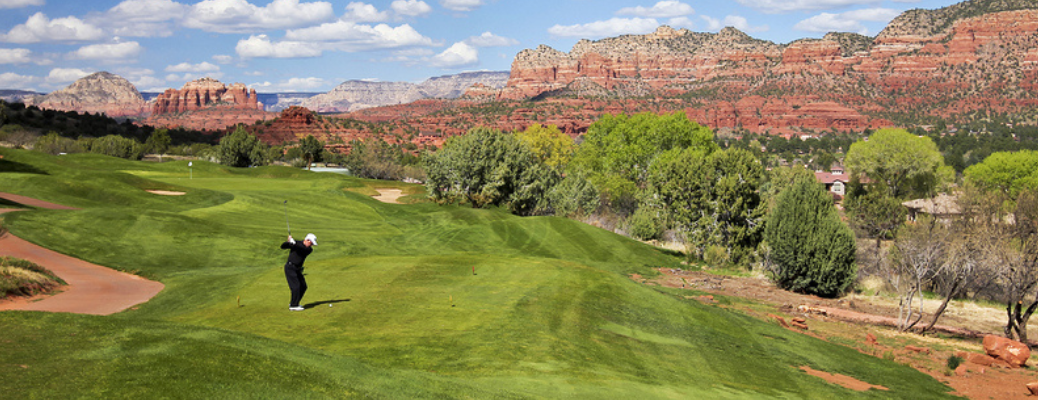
[
  {"x": 11, "y": 166},
  {"x": 321, "y": 303}
]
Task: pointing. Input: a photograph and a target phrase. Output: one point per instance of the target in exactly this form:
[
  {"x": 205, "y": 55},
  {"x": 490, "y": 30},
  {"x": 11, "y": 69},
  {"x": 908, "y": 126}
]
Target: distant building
[
  {"x": 834, "y": 183},
  {"x": 943, "y": 207}
]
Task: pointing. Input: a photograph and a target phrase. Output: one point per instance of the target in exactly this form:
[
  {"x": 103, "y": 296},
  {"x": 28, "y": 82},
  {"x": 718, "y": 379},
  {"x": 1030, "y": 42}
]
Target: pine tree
[{"x": 812, "y": 251}]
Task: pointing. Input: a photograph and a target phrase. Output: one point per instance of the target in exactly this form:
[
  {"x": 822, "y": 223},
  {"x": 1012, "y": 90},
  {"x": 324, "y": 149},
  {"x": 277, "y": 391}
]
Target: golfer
[{"x": 297, "y": 253}]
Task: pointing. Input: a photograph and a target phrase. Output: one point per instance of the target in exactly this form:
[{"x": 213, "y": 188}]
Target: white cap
[{"x": 311, "y": 238}]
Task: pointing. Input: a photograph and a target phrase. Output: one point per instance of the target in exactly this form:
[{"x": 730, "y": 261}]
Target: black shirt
[{"x": 297, "y": 253}]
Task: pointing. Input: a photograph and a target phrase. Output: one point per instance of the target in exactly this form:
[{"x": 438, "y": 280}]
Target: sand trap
[
  {"x": 166, "y": 193},
  {"x": 389, "y": 195},
  {"x": 842, "y": 380}
]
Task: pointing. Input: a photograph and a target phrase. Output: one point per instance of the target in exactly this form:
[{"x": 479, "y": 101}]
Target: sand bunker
[
  {"x": 166, "y": 193},
  {"x": 389, "y": 195}
]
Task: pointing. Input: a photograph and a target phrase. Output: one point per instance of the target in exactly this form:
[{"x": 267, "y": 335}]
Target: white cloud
[
  {"x": 850, "y": 21},
  {"x": 612, "y": 27},
  {"x": 363, "y": 12},
  {"x": 785, "y": 6},
  {"x": 488, "y": 39},
  {"x": 200, "y": 67},
  {"x": 15, "y": 56},
  {"x": 39, "y": 28},
  {"x": 10, "y": 80},
  {"x": 260, "y": 46},
  {"x": 411, "y": 8},
  {"x": 190, "y": 76},
  {"x": 20, "y": 3},
  {"x": 663, "y": 9},
  {"x": 458, "y": 55},
  {"x": 223, "y": 59},
  {"x": 681, "y": 22},
  {"x": 461, "y": 5},
  {"x": 293, "y": 85},
  {"x": 114, "y": 51},
  {"x": 142, "y": 18},
  {"x": 65, "y": 75},
  {"x": 351, "y": 37},
  {"x": 239, "y": 16},
  {"x": 734, "y": 21}
]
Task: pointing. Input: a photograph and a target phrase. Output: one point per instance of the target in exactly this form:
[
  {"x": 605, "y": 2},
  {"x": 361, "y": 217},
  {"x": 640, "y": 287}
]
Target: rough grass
[
  {"x": 23, "y": 278},
  {"x": 394, "y": 309}
]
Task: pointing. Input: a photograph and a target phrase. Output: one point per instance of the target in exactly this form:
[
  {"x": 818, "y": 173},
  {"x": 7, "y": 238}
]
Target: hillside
[{"x": 358, "y": 95}]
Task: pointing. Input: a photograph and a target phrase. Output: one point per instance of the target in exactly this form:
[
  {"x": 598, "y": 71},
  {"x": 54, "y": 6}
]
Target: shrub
[
  {"x": 644, "y": 224},
  {"x": 954, "y": 362},
  {"x": 23, "y": 278},
  {"x": 812, "y": 251}
]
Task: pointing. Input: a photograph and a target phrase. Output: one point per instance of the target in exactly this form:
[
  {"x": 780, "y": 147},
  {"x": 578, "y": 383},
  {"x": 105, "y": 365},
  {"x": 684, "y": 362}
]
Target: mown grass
[{"x": 394, "y": 308}]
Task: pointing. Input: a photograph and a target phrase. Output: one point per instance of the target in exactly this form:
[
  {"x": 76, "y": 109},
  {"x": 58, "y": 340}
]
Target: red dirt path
[{"x": 92, "y": 289}]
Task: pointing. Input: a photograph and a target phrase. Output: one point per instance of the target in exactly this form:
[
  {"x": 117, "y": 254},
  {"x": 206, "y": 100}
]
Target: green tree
[
  {"x": 812, "y": 251},
  {"x": 117, "y": 146},
  {"x": 241, "y": 149},
  {"x": 548, "y": 143},
  {"x": 781, "y": 178},
  {"x": 901, "y": 163},
  {"x": 1007, "y": 173},
  {"x": 713, "y": 198},
  {"x": 158, "y": 142},
  {"x": 874, "y": 214},
  {"x": 311, "y": 149},
  {"x": 617, "y": 150},
  {"x": 488, "y": 167}
]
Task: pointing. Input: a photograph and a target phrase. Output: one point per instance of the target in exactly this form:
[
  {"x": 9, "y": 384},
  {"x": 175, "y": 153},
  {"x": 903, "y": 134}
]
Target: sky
[{"x": 313, "y": 46}]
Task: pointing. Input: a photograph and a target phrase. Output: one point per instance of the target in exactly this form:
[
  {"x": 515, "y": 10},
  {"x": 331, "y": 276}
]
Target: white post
[{"x": 190, "y": 170}]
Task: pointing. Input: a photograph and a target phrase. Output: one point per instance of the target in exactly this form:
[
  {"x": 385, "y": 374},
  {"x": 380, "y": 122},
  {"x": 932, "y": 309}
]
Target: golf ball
[{"x": 329, "y": 305}]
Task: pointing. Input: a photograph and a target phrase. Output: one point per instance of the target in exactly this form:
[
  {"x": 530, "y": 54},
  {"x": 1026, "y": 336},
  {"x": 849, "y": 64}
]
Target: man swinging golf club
[{"x": 297, "y": 252}]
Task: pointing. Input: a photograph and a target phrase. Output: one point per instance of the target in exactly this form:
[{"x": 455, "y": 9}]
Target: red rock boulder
[{"x": 1010, "y": 351}]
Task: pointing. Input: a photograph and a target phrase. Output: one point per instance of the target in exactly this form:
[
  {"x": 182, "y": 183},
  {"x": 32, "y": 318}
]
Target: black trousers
[{"x": 296, "y": 282}]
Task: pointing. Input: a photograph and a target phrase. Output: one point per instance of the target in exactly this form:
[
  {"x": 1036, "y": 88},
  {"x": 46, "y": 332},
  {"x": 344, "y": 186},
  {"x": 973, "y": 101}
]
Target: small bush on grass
[
  {"x": 954, "y": 362},
  {"x": 23, "y": 278}
]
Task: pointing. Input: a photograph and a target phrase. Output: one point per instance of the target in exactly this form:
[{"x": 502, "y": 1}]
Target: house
[
  {"x": 834, "y": 183},
  {"x": 943, "y": 207}
]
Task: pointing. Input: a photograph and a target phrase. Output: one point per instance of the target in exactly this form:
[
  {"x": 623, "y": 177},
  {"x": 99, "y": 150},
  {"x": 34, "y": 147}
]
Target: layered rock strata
[{"x": 100, "y": 92}]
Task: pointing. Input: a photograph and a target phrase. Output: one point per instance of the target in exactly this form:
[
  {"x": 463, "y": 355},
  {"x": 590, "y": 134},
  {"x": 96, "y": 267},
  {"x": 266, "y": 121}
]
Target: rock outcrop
[
  {"x": 358, "y": 95},
  {"x": 1012, "y": 352},
  {"x": 201, "y": 93},
  {"x": 100, "y": 92}
]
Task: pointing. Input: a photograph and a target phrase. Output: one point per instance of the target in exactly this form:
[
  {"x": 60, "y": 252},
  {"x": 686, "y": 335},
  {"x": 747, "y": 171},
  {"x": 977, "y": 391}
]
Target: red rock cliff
[{"x": 205, "y": 92}]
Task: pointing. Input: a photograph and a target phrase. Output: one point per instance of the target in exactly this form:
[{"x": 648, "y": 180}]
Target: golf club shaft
[{"x": 286, "y": 219}]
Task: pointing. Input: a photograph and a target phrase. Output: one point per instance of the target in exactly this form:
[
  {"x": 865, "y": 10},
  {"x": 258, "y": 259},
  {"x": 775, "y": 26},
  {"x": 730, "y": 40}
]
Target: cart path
[{"x": 92, "y": 289}]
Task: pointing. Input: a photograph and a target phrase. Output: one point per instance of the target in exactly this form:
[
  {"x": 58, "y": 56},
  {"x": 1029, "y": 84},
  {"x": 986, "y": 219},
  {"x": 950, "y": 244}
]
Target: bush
[
  {"x": 812, "y": 251},
  {"x": 715, "y": 256},
  {"x": 23, "y": 278},
  {"x": 644, "y": 224},
  {"x": 954, "y": 362}
]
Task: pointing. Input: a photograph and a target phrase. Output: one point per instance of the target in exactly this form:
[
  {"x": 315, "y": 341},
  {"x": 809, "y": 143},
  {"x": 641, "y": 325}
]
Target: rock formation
[
  {"x": 201, "y": 93},
  {"x": 100, "y": 92},
  {"x": 358, "y": 95},
  {"x": 1012, "y": 352}
]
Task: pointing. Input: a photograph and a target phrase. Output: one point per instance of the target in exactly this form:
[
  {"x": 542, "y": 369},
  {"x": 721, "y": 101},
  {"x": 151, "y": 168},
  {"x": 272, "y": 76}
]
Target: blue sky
[{"x": 304, "y": 45}]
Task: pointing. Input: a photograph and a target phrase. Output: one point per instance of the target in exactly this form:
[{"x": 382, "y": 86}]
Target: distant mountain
[
  {"x": 18, "y": 96},
  {"x": 357, "y": 95},
  {"x": 102, "y": 92},
  {"x": 277, "y": 102}
]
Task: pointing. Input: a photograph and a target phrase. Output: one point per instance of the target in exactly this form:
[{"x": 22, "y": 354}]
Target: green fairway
[{"x": 405, "y": 301}]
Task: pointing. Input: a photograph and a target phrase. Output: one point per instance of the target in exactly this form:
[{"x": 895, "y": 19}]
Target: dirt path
[
  {"x": 92, "y": 289},
  {"x": 389, "y": 195}
]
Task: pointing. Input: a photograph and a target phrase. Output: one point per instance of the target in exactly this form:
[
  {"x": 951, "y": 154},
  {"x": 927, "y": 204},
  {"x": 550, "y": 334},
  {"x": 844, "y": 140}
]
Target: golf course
[{"x": 405, "y": 301}]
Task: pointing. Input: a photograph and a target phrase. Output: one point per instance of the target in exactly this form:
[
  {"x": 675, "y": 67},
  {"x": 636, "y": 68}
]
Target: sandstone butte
[
  {"x": 207, "y": 104},
  {"x": 925, "y": 62},
  {"x": 296, "y": 123},
  {"x": 100, "y": 92}
]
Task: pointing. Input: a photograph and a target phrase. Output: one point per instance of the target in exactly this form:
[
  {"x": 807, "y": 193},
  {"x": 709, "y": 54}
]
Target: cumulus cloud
[
  {"x": 188, "y": 67},
  {"x": 488, "y": 39},
  {"x": 850, "y": 21},
  {"x": 734, "y": 21},
  {"x": 142, "y": 18},
  {"x": 411, "y": 8},
  {"x": 223, "y": 59},
  {"x": 65, "y": 75},
  {"x": 260, "y": 46},
  {"x": 114, "y": 51},
  {"x": 681, "y": 22},
  {"x": 461, "y": 5},
  {"x": 785, "y": 6},
  {"x": 350, "y": 37},
  {"x": 19, "y": 3},
  {"x": 15, "y": 56},
  {"x": 293, "y": 85},
  {"x": 458, "y": 55},
  {"x": 663, "y": 9},
  {"x": 39, "y": 28},
  {"x": 239, "y": 16},
  {"x": 363, "y": 12},
  {"x": 611, "y": 27},
  {"x": 10, "y": 80},
  {"x": 190, "y": 76}
]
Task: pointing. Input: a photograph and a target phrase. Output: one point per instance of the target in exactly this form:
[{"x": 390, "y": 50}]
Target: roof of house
[
  {"x": 828, "y": 177},
  {"x": 942, "y": 204}
]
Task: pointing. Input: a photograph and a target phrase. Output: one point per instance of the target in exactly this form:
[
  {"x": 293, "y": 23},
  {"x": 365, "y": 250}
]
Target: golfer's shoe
[{"x": 296, "y": 308}]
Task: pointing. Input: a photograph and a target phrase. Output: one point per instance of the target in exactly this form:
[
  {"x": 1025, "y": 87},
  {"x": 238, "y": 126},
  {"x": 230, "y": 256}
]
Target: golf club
[{"x": 286, "y": 219}]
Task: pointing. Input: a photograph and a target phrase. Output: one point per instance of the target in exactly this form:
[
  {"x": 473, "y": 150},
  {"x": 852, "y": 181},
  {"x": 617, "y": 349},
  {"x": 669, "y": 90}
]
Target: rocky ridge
[
  {"x": 100, "y": 92},
  {"x": 207, "y": 104},
  {"x": 358, "y": 95}
]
